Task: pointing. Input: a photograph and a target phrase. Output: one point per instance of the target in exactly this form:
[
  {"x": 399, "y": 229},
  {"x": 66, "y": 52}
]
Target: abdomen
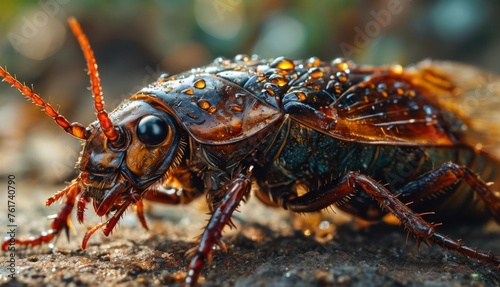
[{"x": 301, "y": 156}]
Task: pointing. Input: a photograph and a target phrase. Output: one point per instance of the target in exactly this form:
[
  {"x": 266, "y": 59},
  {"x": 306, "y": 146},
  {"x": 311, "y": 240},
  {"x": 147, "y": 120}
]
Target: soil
[
  {"x": 270, "y": 247},
  {"x": 267, "y": 249}
]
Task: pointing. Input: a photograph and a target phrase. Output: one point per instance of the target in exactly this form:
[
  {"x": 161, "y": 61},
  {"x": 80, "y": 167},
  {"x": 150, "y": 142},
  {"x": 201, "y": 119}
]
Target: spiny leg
[
  {"x": 444, "y": 176},
  {"x": 110, "y": 197},
  {"x": 168, "y": 195},
  {"x": 108, "y": 225},
  {"x": 165, "y": 194},
  {"x": 162, "y": 195},
  {"x": 132, "y": 197},
  {"x": 236, "y": 190},
  {"x": 157, "y": 194},
  {"x": 81, "y": 206},
  {"x": 61, "y": 221},
  {"x": 323, "y": 197},
  {"x": 179, "y": 186}
]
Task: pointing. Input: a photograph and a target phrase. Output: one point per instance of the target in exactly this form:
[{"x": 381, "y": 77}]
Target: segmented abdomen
[{"x": 304, "y": 157}]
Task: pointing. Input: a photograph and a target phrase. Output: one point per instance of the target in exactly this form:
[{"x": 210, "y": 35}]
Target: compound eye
[{"x": 152, "y": 130}]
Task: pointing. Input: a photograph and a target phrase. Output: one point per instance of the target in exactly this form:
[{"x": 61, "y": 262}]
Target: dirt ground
[{"x": 267, "y": 249}]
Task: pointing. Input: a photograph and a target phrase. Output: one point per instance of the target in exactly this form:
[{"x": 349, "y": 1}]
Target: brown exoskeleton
[{"x": 343, "y": 132}]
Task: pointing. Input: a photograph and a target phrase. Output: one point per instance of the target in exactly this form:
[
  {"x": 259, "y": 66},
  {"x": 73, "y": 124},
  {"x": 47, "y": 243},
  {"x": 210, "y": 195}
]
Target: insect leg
[
  {"x": 444, "y": 176},
  {"x": 61, "y": 221},
  {"x": 179, "y": 186},
  {"x": 236, "y": 190},
  {"x": 110, "y": 223},
  {"x": 169, "y": 195},
  {"x": 132, "y": 197},
  {"x": 140, "y": 213},
  {"x": 322, "y": 197}
]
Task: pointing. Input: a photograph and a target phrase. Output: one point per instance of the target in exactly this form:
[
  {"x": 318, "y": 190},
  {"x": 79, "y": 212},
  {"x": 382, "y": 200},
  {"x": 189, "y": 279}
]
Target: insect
[{"x": 308, "y": 133}]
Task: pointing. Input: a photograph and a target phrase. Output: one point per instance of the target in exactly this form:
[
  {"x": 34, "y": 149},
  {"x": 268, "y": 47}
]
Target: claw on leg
[
  {"x": 89, "y": 234},
  {"x": 421, "y": 229},
  {"x": 109, "y": 224}
]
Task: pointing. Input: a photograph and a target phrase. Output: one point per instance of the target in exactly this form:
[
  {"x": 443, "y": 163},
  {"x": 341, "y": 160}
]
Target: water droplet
[
  {"x": 341, "y": 64},
  {"x": 282, "y": 63},
  {"x": 221, "y": 60},
  {"x": 397, "y": 69},
  {"x": 242, "y": 57},
  {"x": 428, "y": 110},
  {"x": 313, "y": 62},
  {"x": 301, "y": 96},
  {"x": 323, "y": 225},
  {"x": 278, "y": 80},
  {"x": 204, "y": 105},
  {"x": 410, "y": 93},
  {"x": 162, "y": 78},
  {"x": 413, "y": 106},
  {"x": 188, "y": 91},
  {"x": 341, "y": 76},
  {"x": 200, "y": 84},
  {"x": 381, "y": 87},
  {"x": 315, "y": 73},
  {"x": 337, "y": 87}
]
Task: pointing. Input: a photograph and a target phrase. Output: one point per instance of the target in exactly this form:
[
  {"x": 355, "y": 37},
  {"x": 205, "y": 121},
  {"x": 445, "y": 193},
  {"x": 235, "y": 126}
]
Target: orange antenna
[
  {"x": 75, "y": 129},
  {"x": 106, "y": 124}
]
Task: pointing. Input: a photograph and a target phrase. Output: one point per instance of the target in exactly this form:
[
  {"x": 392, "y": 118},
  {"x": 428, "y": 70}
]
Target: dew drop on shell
[
  {"x": 315, "y": 73},
  {"x": 200, "y": 84},
  {"x": 282, "y": 63},
  {"x": 188, "y": 91}
]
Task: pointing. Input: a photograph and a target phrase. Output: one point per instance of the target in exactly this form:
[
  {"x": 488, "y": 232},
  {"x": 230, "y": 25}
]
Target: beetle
[{"x": 308, "y": 133}]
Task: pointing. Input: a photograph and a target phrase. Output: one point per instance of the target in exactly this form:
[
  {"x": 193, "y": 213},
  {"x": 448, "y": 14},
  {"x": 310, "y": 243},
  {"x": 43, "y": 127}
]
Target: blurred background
[{"x": 135, "y": 41}]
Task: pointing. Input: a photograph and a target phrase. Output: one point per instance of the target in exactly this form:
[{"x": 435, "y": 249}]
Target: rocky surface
[{"x": 267, "y": 249}]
